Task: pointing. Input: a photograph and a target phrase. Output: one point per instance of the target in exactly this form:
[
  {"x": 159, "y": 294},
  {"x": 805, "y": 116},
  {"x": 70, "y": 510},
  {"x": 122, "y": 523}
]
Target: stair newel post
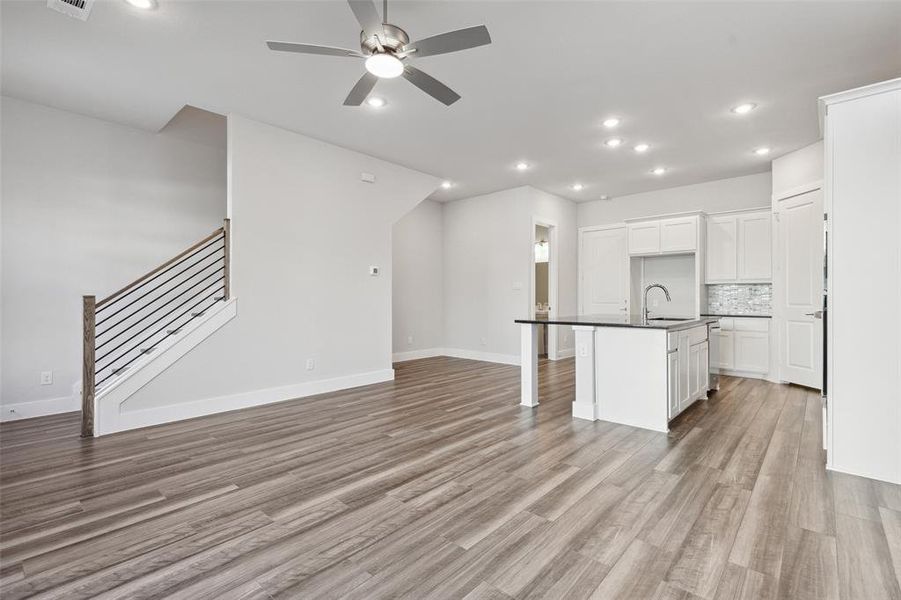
[
  {"x": 227, "y": 228},
  {"x": 87, "y": 371}
]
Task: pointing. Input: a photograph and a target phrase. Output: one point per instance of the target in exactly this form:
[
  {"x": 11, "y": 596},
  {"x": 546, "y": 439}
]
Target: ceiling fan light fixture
[{"x": 384, "y": 65}]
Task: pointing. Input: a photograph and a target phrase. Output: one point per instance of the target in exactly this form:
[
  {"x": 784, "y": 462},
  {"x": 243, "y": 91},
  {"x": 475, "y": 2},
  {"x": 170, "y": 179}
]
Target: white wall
[
  {"x": 677, "y": 274},
  {"x": 417, "y": 291},
  {"x": 487, "y": 264},
  {"x": 305, "y": 231},
  {"x": 799, "y": 168},
  {"x": 863, "y": 205},
  {"x": 750, "y": 191},
  {"x": 87, "y": 206}
]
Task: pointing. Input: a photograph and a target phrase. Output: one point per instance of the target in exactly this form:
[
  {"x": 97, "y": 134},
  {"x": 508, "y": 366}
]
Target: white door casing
[
  {"x": 604, "y": 271},
  {"x": 799, "y": 269}
]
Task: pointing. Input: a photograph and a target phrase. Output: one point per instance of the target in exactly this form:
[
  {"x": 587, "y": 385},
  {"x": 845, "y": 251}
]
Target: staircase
[{"x": 124, "y": 331}]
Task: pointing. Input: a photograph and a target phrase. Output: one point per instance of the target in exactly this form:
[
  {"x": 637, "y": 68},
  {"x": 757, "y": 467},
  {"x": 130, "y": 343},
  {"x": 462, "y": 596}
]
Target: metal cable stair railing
[{"x": 132, "y": 322}]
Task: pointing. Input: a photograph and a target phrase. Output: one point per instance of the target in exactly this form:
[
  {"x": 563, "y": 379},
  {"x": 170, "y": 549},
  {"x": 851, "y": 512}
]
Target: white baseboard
[
  {"x": 134, "y": 419},
  {"x": 504, "y": 359},
  {"x": 417, "y": 354},
  {"x": 565, "y": 353},
  {"x": 40, "y": 408}
]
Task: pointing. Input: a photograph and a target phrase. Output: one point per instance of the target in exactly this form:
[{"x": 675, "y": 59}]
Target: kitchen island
[{"x": 628, "y": 370}]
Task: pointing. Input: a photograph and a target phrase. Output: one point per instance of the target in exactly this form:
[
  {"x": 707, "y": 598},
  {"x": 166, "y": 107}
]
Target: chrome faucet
[{"x": 644, "y": 311}]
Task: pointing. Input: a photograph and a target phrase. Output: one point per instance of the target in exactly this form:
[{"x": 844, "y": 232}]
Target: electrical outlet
[
  {"x": 583, "y": 349},
  {"x": 46, "y": 377},
  {"x": 484, "y": 341},
  {"x": 311, "y": 364},
  {"x": 374, "y": 270},
  {"x": 409, "y": 340}
]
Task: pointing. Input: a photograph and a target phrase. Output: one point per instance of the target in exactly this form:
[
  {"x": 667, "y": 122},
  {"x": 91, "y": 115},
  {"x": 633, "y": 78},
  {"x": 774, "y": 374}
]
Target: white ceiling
[{"x": 555, "y": 70}]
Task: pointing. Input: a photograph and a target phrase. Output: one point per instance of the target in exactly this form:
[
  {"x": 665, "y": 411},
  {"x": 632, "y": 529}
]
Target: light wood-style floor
[{"x": 439, "y": 485}]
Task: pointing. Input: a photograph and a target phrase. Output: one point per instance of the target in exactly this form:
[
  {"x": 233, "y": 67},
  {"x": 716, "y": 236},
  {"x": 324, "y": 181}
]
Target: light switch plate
[
  {"x": 46, "y": 377},
  {"x": 367, "y": 177}
]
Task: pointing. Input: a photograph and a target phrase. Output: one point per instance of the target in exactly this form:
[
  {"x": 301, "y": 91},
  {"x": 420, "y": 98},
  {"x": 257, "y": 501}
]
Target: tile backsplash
[{"x": 740, "y": 299}]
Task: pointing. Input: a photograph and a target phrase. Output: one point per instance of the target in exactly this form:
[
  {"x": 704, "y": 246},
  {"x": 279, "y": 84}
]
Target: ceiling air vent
[{"x": 80, "y": 9}]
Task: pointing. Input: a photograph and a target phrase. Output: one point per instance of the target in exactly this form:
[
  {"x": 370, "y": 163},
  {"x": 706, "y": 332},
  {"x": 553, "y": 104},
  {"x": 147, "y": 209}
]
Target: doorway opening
[{"x": 543, "y": 295}]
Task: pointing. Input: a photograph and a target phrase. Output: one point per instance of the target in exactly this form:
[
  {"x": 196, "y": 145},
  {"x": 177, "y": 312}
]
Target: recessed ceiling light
[
  {"x": 613, "y": 142},
  {"x": 446, "y": 185},
  {"x": 376, "y": 102},
  {"x": 522, "y": 166},
  {"x": 611, "y": 122},
  {"x": 659, "y": 171},
  {"x": 142, "y": 4},
  {"x": 384, "y": 65},
  {"x": 762, "y": 151},
  {"x": 577, "y": 187},
  {"x": 641, "y": 147},
  {"x": 743, "y": 109},
  {"x": 605, "y": 197}
]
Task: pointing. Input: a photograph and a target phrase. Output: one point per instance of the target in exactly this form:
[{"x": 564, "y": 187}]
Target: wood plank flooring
[{"x": 439, "y": 485}]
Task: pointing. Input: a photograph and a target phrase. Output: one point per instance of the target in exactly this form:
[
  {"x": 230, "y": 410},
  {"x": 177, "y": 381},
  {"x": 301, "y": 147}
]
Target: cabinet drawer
[
  {"x": 751, "y": 324},
  {"x": 697, "y": 335}
]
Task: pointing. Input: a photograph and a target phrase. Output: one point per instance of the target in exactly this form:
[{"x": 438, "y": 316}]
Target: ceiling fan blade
[
  {"x": 452, "y": 41},
  {"x": 368, "y": 16},
  {"x": 361, "y": 90},
  {"x": 430, "y": 85},
  {"x": 313, "y": 49}
]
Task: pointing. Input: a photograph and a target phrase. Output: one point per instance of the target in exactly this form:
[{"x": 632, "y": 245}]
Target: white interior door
[
  {"x": 604, "y": 261},
  {"x": 799, "y": 230}
]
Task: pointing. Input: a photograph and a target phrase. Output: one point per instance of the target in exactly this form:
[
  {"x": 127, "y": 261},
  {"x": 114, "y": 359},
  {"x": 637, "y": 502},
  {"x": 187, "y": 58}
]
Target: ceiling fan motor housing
[{"x": 393, "y": 39}]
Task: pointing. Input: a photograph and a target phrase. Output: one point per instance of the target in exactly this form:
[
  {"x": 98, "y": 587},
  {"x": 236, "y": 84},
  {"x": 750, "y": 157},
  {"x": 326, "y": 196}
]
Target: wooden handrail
[{"x": 175, "y": 258}]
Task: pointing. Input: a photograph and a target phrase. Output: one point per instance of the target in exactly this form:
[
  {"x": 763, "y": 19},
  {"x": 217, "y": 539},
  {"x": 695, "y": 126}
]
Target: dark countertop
[
  {"x": 620, "y": 321},
  {"x": 737, "y": 316}
]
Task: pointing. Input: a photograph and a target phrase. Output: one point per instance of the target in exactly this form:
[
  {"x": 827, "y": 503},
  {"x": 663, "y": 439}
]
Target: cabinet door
[
  {"x": 704, "y": 371},
  {"x": 684, "y": 373},
  {"x": 694, "y": 366},
  {"x": 752, "y": 351},
  {"x": 644, "y": 238},
  {"x": 726, "y": 358},
  {"x": 722, "y": 249},
  {"x": 679, "y": 235},
  {"x": 672, "y": 374},
  {"x": 755, "y": 251}
]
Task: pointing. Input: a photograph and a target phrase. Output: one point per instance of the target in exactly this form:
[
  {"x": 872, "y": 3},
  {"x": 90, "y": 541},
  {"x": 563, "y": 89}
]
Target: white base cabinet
[
  {"x": 744, "y": 345},
  {"x": 687, "y": 368}
]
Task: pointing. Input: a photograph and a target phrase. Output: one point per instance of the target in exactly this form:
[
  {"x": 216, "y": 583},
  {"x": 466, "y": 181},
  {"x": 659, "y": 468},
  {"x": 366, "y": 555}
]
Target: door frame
[
  {"x": 552, "y": 277},
  {"x": 778, "y": 337},
  {"x": 579, "y": 278}
]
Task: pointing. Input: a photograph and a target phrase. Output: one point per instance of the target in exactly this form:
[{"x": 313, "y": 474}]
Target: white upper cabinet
[
  {"x": 755, "y": 254},
  {"x": 739, "y": 248},
  {"x": 644, "y": 238},
  {"x": 722, "y": 248},
  {"x": 677, "y": 235}
]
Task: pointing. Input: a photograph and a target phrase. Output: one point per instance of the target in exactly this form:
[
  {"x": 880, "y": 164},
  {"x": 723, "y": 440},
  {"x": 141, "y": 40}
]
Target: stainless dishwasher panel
[{"x": 713, "y": 357}]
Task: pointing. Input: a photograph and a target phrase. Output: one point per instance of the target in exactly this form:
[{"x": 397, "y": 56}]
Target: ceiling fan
[{"x": 385, "y": 48}]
